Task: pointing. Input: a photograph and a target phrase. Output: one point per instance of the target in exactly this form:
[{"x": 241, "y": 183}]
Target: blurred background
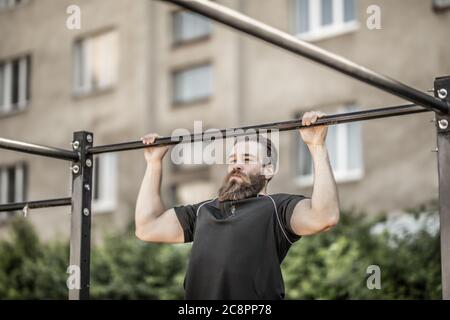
[{"x": 134, "y": 67}]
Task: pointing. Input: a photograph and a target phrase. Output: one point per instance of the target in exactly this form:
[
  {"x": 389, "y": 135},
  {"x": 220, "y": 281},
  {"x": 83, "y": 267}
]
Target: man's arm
[
  {"x": 321, "y": 212},
  {"x": 153, "y": 222}
]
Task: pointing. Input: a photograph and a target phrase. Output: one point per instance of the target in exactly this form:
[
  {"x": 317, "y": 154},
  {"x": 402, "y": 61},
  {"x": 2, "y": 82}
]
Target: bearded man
[{"x": 241, "y": 237}]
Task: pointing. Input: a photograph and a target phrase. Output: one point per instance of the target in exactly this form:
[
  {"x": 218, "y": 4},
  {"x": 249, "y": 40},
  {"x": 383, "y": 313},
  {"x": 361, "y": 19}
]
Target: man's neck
[{"x": 263, "y": 191}]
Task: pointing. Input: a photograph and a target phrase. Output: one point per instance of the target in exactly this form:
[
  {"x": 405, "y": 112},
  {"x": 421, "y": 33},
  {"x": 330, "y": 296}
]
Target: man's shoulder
[
  {"x": 208, "y": 202},
  {"x": 283, "y": 195},
  {"x": 197, "y": 204}
]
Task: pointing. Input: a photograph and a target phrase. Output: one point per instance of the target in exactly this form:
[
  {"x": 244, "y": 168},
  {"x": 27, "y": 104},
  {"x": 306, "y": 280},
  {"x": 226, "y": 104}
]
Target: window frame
[
  {"x": 440, "y": 7},
  {"x": 12, "y": 5},
  {"x": 342, "y": 174},
  {"x": 318, "y": 32},
  {"x": 196, "y": 100},
  {"x": 7, "y": 107},
  {"x": 87, "y": 88},
  {"x": 21, "y": 178},
  {"x": 107, "y": 201},
  {"x": 176, "y": 42}
]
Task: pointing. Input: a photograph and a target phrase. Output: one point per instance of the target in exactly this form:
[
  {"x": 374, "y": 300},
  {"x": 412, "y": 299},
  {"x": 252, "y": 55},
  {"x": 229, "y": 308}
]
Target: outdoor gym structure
[{"x": 83, "y": 150}]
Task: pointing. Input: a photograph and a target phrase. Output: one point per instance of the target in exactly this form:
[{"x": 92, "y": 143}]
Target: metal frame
[
  {"x": 39, "y": 150},
  {"x": 83, "y": 150},
  {"x": 36, "y": 204},
  {"x": 80, "y": 234},
  {"x": 80, "y": 231},
  {"x": 442, "y": 87}
]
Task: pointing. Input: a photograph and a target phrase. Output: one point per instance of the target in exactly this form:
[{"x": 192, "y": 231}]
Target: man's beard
[{"x": 249, "y": 186}]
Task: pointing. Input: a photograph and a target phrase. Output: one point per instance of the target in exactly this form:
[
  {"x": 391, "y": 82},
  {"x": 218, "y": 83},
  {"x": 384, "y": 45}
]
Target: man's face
[{"x": 245, "y": 176}]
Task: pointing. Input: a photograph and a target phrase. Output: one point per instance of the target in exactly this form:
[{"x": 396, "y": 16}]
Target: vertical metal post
[
  {"x": 442, "y": 90},
  {"x": 80, "y": 231}
]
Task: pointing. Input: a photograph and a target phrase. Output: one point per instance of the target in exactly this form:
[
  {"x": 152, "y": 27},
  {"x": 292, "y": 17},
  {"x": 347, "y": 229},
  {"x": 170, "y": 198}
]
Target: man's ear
[{"x": 268, "y": 171}]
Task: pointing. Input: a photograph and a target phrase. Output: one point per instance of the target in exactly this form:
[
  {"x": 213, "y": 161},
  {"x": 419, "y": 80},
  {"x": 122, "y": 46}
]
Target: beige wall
[{"x": 119, "y": 114}]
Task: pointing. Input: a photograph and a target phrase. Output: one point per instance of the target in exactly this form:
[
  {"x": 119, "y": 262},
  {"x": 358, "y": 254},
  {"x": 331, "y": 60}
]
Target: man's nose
[{"x": 237, "y": 167}]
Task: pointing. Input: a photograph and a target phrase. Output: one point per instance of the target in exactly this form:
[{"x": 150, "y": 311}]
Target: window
[
  {"x": 13, "y": 184},
  {"x": 96, "y": 61},
  {"x": 189, "y": 26},
  {"x": 9, "y": 4},
  {"x": 14, "y": 84},
  {"x": 317, "y": 19},
  {"x": 441, "y": 4},
  {"x": 344, "y": 144},
  {"x": 104, "y": 182},
  {"x": 192, "y": 84}
]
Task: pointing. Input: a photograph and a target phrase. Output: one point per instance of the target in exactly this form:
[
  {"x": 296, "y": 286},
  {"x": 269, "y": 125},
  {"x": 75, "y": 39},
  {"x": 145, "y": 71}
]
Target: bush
[
  {"x": 126, "y": 268},
  {"x": 29, "y": 269},
  {"x": 122, "y": 268},
  {"x": 331, "y": 265}
]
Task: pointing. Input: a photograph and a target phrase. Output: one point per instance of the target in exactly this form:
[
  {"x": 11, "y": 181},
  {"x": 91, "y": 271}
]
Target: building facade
[{"x": 148, "y": 66}]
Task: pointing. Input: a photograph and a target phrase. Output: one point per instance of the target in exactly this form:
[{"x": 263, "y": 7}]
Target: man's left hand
[{"x": 315, "y": 135}]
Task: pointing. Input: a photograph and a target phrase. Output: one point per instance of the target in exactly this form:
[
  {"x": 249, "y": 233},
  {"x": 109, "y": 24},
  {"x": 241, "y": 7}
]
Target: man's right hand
[
  {"x": 153, "y": 154},
  {"x": 153, "y": 222}
]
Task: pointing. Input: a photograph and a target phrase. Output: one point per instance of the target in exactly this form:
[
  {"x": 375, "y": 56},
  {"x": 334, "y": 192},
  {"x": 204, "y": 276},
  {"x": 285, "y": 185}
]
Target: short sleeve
[
  {"x": 187, "y": 216},
  {"x": 285, "y": 207}
]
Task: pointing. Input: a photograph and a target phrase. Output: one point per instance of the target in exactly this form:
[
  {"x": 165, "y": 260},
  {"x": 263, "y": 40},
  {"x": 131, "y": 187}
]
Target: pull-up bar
[
  {"x": 51, "y": 152},
  {"x": 36, "y": 204},
  {"x": 38, "y": 149},
  {"x": 369, "y": 114},
  {"x": 293, "y": 44}
]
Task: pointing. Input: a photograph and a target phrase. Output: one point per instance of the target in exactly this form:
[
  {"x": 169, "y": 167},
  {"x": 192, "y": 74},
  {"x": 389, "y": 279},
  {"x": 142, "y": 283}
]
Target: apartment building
[{"x": 146, "y": 66}]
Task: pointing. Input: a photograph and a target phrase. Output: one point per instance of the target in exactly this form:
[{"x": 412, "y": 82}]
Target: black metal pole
[
  {"x": 36, "y": 204},
  {"x": 280, "y": 126},
  {"x": 293, "y": 44},
  {"x": 442, "y": 86},
  {"x": 38, "y": 149},
  {"x": 80, "y": 231}
]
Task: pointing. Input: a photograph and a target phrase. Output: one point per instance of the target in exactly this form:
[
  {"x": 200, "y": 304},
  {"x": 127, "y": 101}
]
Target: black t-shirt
[{"x": 238, "y": 246}]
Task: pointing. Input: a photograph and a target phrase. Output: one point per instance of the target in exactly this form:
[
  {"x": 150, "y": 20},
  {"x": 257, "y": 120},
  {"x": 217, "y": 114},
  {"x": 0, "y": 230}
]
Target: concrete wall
[{"x": 118, "y": 114}]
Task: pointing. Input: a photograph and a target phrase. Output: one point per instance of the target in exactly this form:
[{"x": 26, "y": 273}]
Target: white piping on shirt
[
  {"x": 276, "y": 212},
  {"x": 198, "y": 209},
  {"x": 278, "y": 218}
]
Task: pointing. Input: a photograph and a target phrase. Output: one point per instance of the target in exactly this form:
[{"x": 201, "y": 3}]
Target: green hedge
[{"x": 331, "y": 265}]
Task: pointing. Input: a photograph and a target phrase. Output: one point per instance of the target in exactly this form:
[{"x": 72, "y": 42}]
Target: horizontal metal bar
[
  {"x": 293, "y": 44},
  {"x": 281, "y": 126},
  {"x": 38, "y": 150},
  {"x": 36, "y": 204}
]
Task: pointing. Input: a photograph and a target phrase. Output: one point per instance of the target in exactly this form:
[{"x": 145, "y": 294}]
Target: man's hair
[{"x": 270, "y": 152}]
